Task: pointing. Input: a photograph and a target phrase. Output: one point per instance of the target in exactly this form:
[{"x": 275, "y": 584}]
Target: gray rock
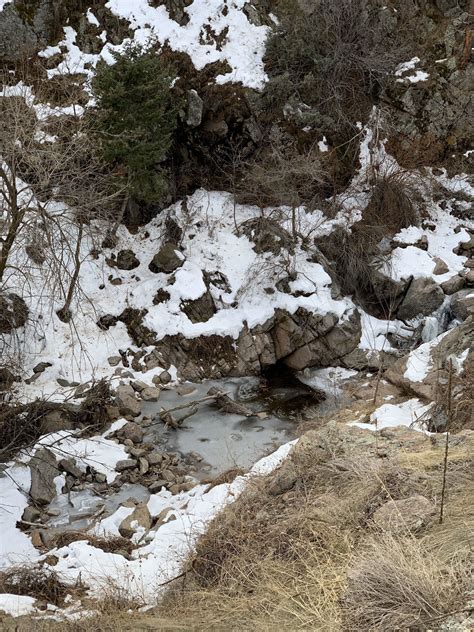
[
  {"x": 165, "y": 377},
  {"x": 168, "y": 476},
  {"x": 138, "y": 385},
  {"x": 283, "y": 481},
  {"x": 31, "y": 514},
  {"x": 126, "y": 401},
  {"x": 155, "y": 458},
  {"x": 424, "y": 296},
  {"x": 100, "y": 478},
  {"x": 13, "y": 312},
  {"x": 462, "y": 304},
  {"x": 41, "y": 366},
  {"x": 132, "y": 432},
  {"x": 167, "y": 259},
  {"x": 18, "y": 40},
  {"x": 453, "y": 285},
  {"x": 56, "y": 420},
  {"x": 69, "y": 466},
  {"x": 44, "y": 470},
  {"x": 408, "y": 514},
  {"x": 143, "y": 465},
  {"x": 195, "y": 109},
  {"x": 126, "y": 260},
  {"x": 157, "y": 486},
  {"x": 114, "y": 360},
  {"x": 150, "y": 394},
  {"x": 140, "y": 517},
  {"x": 125, "y": 464}
]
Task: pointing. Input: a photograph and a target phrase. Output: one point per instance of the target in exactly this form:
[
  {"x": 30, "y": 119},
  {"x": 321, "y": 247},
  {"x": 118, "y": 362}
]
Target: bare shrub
[
  {"x": 329, "y": 60},
  {"x": 356, "y": 253},
  {"x": 40, "y": 583},
  {"x": 397, "y": 584}
]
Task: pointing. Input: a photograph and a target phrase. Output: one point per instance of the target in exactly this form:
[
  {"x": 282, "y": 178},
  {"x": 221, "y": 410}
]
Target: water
[{"x": 226, "y": 441}]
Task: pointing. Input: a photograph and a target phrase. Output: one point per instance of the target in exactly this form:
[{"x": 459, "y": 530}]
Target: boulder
[
  {"x": 139, "y": 518},
  {"x": 126, "y": 260},
  {"x": 453, "y": 285},
  {"x": 69, "y": 466},
  {"x": 407, "y": 514},
  {"x": 423, "y": 297},
  {"x": 150, "y": 394},
  {"x": 167, "y": 259},
  {"x": 125, "y": 464},
  {"x": 31, "y": 514},
  {"x": 44, "y": 469},
  {"x": 13, "y": 312},
  {"x": 440, "y": 266},
  {"x": 126, "y": 401},
  {"x": 132, "y": 432},
  {"x": 56, "y": 420},
  {"x": 462, "y": 304},
  {"x": 195, "y": 109}
]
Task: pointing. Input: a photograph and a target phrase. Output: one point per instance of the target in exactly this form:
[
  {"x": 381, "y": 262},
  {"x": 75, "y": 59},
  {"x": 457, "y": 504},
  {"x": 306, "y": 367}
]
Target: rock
[
  {"x": 114, "y": 360},
  {"x": 138, "y": 386},
  {"x": 69, "y": 466},
  {"x": 13, "y": 312},
  {"x": 126, "y": 260},
  {"x": 140, "y": 517},
  {"x": 31, "y": 514},
  {"x": 137, "y": 452},
  {"x": 462, "y": 304},
  {"x": 195, "y": 109},
  {"x": 101, "y": 478},
  {"x": 44, "y": 470},
  {"x": 66, "y": 383},
  {"x": 41, "y": 367},
  {"x": 440, "y": 267},
  {"x": 7, "y": 378},
  {"x": 283, "y": 481},
  {"x": 408, "y": 514},
  {"x": 453, "y": 285},
  {"x": 468, "y": 277},
  {"x": 155, "y": 458},
  {"x": 126, "y": 401},
  {"x": 201, "y": 309},
  {"x": 132, "y": 432},
  {"x": 150, "y": 394},
  {"x": 424, "y": 296},
  {"x": 165, "y": 377},
  {"x": 36, "y": 539},
  {"x": 167, "y": 259},
  {"x": 363, "y": 359},
  {"x": 168, "y": 475},
  {"x": 125, "y": 464},
  {"x": 157, "y": 486},
  {"x": 186, "y": 389},
  {"x": 266, "y": 235},
  {"x": 56, "y": 420},
  {"x": 143, "y": 465}
]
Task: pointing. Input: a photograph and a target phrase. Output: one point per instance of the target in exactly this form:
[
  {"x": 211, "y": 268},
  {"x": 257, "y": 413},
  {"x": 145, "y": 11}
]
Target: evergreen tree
[{"x": 135, "y": 119}]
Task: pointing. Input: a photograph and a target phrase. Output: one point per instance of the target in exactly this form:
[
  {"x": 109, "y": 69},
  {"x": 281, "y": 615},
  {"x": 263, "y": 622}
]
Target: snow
[
  {"x": 410, "y": 414},
  {"x": 15, "y": 546},
  {"x": 3, "y": 3},
  {"x": 162, "y": 558},
  {"x": 328, "y": 379},
  {"x": 17, "y": 605},
  {"x": 419, "y": 360},
  {"x": 215, "y": 32},
  {"x": 209, "y": 244},
  {"x": 407, "y": 66}
]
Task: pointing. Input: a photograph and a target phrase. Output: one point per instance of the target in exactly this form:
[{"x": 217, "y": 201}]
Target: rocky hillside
[{"x": 277, "y": 197}]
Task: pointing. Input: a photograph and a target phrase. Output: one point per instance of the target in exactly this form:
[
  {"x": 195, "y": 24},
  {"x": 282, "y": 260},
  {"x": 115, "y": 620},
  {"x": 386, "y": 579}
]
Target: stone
[
  {"x": 132, "y": 432},
  {"x": 138, "y": 385},
  {"x": 126, "y": 401},
  {"x": 126, "y": 260},
  {"x": 283, "y": 481},
  {"x": 150, "y": 394},
  {"x": 462, "y": 304},
  {"x": 137, "y": 452},
  {"x": 44, "y": 469},
  {"x": 195, "y": 109},
  {"x": 125, "y": 464},
  {"x": 13, "y": 312},
  {"x": 168, "y": 475},
  {"x": 157, "y": 486},
  {"x": 56, "y": 420},
  {"x": 36, "y": 539},
  {"x": 139, "y": 518},
  {"x": 440, "y": 267},
  {"x": 167, "y": 259},
  {"x": 423, "y": 297},
  {"x": 143, "y": 465},
  {"x": 155, "y": 458},
  {"x": 69, "y": 466},
  {"x": 186, "y": 389},
  {"x": 100, "y": 478},
  {"x": 31, "y": 514},
  {"x": 114, "y": 360},
  {"x": 407, "y": 514},
  {"x": 453, "y": 285},
  {"x": 41, "y": 367},
  {"x": 468, "y": 277},
  {"x": 66, "y": 383}
]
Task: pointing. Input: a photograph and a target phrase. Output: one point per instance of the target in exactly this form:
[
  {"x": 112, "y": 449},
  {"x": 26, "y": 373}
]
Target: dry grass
[
  {"x": 299, "y": 550},
  {"x": 41, "y": 583},
  {"x": 398, "y": 584},
  {"x": 111, "y": 544}
]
